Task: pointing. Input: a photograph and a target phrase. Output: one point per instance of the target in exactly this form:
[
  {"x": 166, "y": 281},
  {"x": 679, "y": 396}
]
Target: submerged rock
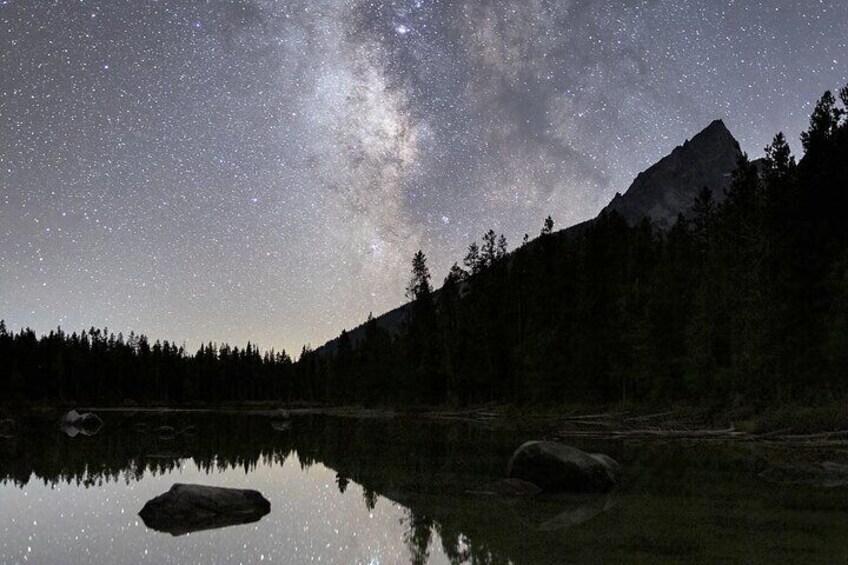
[
  {"x": 281, "y": 420},
  {"x": 190, "y": 508},
  {"x": 509, "y": 487},
  {"x": 563, "y": 511},
  {"x": 558, "y": 467},
  {"x": 166, "y": 432},
  {"x": 85, "y": 419},
  {"x": 825, "y": 473},
  {"x": 281, "y": 425},
  {"x": 8, "y": 428},
  {"x": 87, "y": 424}
]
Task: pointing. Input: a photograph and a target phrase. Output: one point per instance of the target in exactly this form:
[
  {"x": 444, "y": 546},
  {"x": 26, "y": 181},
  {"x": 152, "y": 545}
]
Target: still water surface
[
  {"x": 311, "y": 521},
  {"x": 396, "y": 490}
]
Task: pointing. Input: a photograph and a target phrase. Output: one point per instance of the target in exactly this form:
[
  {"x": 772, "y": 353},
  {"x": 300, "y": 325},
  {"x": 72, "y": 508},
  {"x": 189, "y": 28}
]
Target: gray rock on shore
[
  {"x": 190, "y": 508},
  {"x": 558, "y": 467}
]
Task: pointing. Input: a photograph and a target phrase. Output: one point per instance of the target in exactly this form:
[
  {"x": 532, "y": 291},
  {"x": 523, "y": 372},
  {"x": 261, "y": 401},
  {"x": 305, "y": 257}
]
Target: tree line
[
  {"x": 745, "y": 297},
  {"x": 96, "y": 366}
]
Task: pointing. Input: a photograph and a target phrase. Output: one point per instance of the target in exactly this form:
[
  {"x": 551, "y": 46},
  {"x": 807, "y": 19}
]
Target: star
[{"x": 288, "y": 159}]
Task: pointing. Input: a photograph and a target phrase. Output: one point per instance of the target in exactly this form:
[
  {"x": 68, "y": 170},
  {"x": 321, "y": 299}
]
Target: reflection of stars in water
[{"x": 310, "y": 521}]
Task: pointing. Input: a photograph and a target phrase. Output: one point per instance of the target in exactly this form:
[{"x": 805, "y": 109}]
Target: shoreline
[{"x": 825, "y": 425}]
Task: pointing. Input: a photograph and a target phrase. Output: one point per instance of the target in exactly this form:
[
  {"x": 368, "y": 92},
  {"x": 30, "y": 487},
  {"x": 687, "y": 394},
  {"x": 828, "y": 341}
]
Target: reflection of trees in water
[
  {"x": 384, "y": 457},
  {"x": 129, "y": 447},
  {"x": 418, "y": 537},
  {"x": 678, "y": 504},
  {"x": 425, "y": 467},
  {"x": 342, "y": 482}
]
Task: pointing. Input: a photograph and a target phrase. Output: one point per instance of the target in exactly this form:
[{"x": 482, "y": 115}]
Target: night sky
[{"x": 234, "y": 170}]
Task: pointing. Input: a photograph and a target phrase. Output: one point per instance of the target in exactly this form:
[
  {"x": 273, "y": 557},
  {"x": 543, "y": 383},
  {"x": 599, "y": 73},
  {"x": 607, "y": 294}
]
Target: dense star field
[{"x": 236, "y": 170}]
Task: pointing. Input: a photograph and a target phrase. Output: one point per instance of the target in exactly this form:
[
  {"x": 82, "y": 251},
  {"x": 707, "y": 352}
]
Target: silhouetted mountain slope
[
  {"x": 669, "y": 187},
  {"x": 391, "y": 320},
  {"x": 664, "y": 190},
  {"x": 745, "y": 301}
]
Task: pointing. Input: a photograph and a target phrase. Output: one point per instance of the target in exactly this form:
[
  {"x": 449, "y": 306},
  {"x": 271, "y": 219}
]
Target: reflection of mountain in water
[{"x": 694, "y": 503}]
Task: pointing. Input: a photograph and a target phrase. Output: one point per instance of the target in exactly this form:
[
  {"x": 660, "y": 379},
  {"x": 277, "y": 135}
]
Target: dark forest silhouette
[{"x": 747, "y": 298}]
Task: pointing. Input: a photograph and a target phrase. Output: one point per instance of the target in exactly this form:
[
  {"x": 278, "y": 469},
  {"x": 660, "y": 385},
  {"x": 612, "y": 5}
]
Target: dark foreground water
[{"x": 398, "y": 490}]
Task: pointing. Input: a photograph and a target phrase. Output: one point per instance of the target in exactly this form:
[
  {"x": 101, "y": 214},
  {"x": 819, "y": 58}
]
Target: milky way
[{"x": 234, "y": 170}]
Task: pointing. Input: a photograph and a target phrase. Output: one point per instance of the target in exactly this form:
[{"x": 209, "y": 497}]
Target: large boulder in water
[
  {"x": 73, "y": 423},
  {"x": 190, "y": 508},
  {"x": 557, "y": 467},
  {"x": 166, "y": 432}
]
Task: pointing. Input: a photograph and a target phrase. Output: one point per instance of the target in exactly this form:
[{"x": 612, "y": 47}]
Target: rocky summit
[{"x": 670, "y": 186}]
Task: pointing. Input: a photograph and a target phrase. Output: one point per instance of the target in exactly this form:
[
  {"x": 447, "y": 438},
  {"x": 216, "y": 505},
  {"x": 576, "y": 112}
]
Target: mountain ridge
[
  {"x": 669, "y": 186},
  {"x": 661, "y": 192}
]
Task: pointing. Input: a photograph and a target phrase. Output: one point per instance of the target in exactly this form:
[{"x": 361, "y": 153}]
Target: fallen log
[
  {"x": 594, "y": 416},
  {"x": 657, "y": 433}
]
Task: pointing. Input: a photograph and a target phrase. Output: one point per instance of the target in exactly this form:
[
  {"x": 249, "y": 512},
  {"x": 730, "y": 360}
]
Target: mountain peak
[
  {"x": 716, "y": 125},
  {"x": 670, "y": 186},
  {"x": 716, "y": 130}
]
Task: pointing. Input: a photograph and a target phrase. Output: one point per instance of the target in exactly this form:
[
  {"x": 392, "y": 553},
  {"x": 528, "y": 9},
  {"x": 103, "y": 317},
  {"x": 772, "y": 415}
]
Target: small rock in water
[
  {"x": 281, "y": 425},
  {"x": 73, "y": 423},
  {"x": 558, "y": 467},
  {"x": 281, "y": 420},
  {"x": 190, "y": 508}
]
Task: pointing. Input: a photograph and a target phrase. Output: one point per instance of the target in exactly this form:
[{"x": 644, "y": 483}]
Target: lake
[{"x": 402, "y": 490}]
